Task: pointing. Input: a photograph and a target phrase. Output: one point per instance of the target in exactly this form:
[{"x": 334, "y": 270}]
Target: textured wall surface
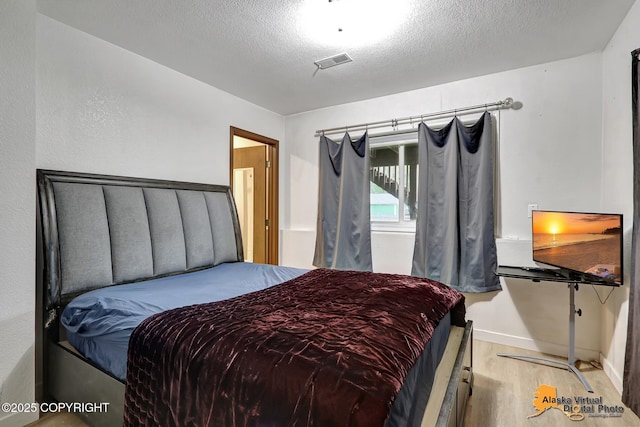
[
  {"x": 104, "y": 109},
  {"x": 17, "y": 204}
]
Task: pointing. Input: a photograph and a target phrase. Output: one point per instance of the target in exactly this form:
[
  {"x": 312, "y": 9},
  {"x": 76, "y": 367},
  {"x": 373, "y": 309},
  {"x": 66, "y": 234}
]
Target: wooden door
[{"x": 250, "y": 191}]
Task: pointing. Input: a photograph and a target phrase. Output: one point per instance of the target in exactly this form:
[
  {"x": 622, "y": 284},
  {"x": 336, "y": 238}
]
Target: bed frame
[{"x": 70, "y": 235}]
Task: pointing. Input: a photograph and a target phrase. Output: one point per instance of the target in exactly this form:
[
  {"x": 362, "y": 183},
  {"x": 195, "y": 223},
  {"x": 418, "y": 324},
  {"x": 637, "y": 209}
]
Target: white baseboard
[
  {"x": 530, "y": 344},
  {"x": 612, "y": 373}
]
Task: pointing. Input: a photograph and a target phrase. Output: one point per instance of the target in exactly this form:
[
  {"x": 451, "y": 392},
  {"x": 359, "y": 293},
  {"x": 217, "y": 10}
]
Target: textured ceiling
[{"x": 260, "y": 51}]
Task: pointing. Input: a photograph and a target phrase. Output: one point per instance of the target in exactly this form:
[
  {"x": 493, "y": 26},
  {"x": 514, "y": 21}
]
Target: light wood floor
[
  {"x": 503, "y": 392},
  {"x": 63, "y": 419}
]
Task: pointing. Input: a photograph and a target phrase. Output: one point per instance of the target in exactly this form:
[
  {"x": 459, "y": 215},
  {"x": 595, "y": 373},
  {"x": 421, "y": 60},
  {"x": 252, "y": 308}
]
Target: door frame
[{"x": 273, "y": 231}]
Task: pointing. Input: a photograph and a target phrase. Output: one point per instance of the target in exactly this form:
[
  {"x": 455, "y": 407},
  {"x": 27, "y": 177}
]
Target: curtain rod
[{"x": 498, "y": 105}]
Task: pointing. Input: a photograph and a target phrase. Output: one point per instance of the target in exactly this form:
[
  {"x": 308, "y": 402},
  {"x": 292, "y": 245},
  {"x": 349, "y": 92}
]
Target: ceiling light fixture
[{"x": 343, "y": 24}]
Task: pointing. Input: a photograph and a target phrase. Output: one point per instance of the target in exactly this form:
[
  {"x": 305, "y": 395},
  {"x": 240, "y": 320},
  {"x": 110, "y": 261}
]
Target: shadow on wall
[
  {"x": 543, "y": 309},
  {"x": 471, "y": 299},
  {"x": 18, "y": 387},
  {"x": 617, "y": 308}
]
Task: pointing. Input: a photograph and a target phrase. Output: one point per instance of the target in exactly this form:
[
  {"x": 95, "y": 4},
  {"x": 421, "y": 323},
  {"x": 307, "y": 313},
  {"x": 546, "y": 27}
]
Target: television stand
[{"x": 540, "y": 274}]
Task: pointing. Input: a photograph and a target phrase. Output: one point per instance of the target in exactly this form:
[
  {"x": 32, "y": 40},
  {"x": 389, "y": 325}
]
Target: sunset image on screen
[
  {"x": 585, "y": 242},
  {"x": 572, "y": 223}
]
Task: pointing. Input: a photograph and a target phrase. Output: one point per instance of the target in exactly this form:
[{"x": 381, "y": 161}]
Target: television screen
[{"x": 588, "y": 243}]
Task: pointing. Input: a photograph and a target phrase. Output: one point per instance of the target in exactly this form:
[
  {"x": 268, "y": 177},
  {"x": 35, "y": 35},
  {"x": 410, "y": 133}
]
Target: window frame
[{"x": 401, "y": 140}]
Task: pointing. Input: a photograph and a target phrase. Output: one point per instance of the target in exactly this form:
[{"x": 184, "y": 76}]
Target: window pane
[
  {"x": 410, "y": 181},
  {"x": 384, "y": 177}
]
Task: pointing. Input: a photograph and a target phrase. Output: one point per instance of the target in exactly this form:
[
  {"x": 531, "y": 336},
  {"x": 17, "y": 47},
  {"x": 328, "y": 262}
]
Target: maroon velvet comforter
[{"x": 329, "y": 348}]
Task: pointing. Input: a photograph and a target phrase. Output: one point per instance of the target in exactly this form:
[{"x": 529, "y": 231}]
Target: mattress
[
  {"x": 408, "y": 406},
  {"x": 99, "y": 323}
]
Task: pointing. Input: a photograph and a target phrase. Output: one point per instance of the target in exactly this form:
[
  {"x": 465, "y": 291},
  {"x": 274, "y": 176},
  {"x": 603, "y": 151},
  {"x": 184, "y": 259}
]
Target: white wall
[
  {"x": 17, "y": 204},
  {"x": 104, "y": 109},
  {"x": 99, "y": 109},
  {"x": 617, "y": 176},
  {"x": 549, "y": 154}
]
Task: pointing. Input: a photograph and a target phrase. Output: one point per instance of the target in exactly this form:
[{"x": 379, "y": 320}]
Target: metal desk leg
[{"x": 570, "y": 365}]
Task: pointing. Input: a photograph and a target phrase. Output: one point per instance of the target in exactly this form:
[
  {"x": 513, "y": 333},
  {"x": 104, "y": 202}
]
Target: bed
[{"x": 126, "y": 267}]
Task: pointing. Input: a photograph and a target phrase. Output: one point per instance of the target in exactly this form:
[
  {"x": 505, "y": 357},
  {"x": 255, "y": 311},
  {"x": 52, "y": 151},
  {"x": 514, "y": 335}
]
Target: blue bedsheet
[{"x": 100, "y": 322}]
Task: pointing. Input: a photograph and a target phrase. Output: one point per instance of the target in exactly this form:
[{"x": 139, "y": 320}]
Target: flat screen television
[{"x": 585, "y": 245}]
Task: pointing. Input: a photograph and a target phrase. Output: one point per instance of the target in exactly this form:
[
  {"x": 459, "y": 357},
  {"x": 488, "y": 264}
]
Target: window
[{"x": 394, "y": 182}]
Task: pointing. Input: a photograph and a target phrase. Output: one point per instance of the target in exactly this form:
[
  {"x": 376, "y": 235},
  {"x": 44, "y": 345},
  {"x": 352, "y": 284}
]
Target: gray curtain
[
  {"x": 343, "y": 231},
  {"x": 631, "y": 379},
  {"x": 455, "y": 241}
]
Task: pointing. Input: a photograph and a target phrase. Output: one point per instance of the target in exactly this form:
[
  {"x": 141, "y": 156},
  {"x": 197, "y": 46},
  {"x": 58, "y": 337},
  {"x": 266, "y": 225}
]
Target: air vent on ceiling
[{"x": 332, "y": 61}]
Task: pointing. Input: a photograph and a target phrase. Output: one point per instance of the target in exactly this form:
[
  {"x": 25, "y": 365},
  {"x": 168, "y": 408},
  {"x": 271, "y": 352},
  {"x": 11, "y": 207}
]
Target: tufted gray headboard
[{"x": 102, "y": 230}]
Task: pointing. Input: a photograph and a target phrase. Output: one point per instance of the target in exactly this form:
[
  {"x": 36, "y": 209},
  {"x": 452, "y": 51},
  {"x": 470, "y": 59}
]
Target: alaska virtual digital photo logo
[{"x": 576, "y": 408}]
